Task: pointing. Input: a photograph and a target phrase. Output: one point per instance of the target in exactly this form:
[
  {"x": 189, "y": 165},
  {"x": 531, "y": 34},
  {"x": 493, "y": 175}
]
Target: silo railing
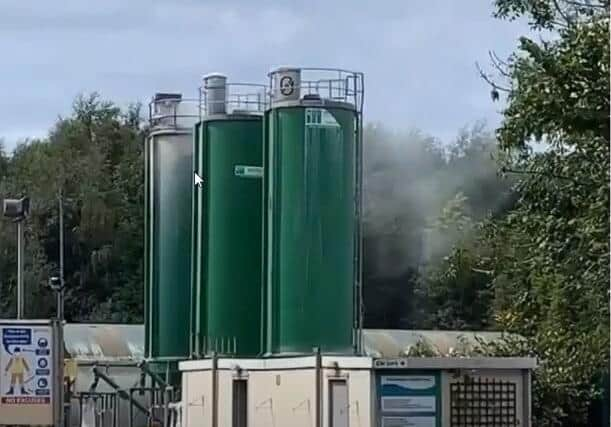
[
  {"x": 239, "y": 98},
  {"x": 174, "y": 112},
  {"x": 333, "y": 84}
]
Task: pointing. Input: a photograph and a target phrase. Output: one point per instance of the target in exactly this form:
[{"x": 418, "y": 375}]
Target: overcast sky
[{"x": 418, "y": 56}]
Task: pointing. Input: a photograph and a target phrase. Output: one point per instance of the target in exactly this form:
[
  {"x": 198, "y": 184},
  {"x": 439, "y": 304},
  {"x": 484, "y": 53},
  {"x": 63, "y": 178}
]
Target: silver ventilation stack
[{"x": 215, "y": 90}]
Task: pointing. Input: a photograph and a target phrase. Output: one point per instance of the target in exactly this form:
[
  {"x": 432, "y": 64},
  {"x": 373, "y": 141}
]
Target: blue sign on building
[{"x": 409, "y": 400}]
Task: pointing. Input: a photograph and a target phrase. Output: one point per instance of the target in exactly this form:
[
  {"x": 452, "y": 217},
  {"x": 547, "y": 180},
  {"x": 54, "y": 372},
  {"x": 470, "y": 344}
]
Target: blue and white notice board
[{"x": 409, "y": 399}]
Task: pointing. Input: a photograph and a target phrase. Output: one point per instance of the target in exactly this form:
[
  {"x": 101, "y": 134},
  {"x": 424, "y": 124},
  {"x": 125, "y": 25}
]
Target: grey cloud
[{"x": 418, "y": 57}]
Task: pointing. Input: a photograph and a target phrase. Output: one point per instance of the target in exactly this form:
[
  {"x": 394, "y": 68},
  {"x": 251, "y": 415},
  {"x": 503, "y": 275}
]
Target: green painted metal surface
[
  {"x": 309, "y": 229},
  {"x": 168, "y": 182},
  {"x": 227, "y": 238}
]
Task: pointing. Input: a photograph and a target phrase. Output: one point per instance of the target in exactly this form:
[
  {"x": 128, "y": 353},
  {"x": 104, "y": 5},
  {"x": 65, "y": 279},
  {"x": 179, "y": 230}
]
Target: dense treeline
[
  {"x": 548, "y": 258},
  {"x": 505, "y": 231},
  {"x": 95, "y": 158}
]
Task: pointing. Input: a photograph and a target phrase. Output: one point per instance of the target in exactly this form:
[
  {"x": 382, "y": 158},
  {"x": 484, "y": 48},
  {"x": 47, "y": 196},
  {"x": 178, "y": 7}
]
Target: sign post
[{"x": 20, "y": 255}]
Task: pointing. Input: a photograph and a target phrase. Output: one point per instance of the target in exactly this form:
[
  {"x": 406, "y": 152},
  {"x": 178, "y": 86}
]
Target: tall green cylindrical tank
[
  {"x": 312, "y": 199},
  {"x": 227, "y": 222},
  {"x": 168, "y": 183}
]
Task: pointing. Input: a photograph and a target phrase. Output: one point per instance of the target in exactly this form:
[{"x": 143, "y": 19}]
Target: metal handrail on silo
[
  {"x": 334, "y": 84},
  {"x": 246, "y": 98},
  {"x": 174, "y": 112}
]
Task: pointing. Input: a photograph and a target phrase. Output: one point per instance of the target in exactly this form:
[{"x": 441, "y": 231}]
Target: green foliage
[
  {"x": 550, "y": 14},
  {"x": 541, "y": 269},
  {"x": 550, "y": 255},
  {"x": 454, "y": 290},
  {"x": 95, "y": 158}
]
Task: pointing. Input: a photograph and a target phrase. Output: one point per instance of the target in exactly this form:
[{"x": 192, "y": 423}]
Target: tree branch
[
  {"x": 499, "y": 64},
  {"x": 488, "y": 80},
  {"x": 603, "y": 5},
  {"x": 523, "y": 172},
  {"x": 497, "y": 59},
  {"x": 562, "y": 13}
]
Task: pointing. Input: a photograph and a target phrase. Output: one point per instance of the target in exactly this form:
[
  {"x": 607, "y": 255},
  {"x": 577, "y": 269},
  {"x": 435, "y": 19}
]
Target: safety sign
[
  {"x": 409, "y": 422},
  {"x": 25, "y": 365},
  {"x": 409, "y": 400}
]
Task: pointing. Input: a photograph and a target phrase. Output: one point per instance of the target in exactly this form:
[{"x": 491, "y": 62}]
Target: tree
[
  {"x": 551, "y": 253},
  {"x": 454, "y": 291},
  {"x": 95, "y": 157}
]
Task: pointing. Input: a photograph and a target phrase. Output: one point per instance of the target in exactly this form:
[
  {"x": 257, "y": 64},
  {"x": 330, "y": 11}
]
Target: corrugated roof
[
  {"x": 125, "y": 343},
  {"x": 389, "y": 343},
  {"x": 104, "y": 342}
]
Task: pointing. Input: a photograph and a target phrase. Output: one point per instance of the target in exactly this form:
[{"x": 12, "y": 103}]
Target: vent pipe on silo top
[{"x": 215, "y": 92}]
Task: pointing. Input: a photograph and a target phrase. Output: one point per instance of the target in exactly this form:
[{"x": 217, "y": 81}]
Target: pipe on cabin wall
[
  {"x": 318, "y": 391},
  {"x": 214, "y": 390}
]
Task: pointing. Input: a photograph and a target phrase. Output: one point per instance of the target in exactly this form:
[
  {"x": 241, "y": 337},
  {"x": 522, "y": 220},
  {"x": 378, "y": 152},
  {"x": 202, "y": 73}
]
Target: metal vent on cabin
[{"x": 483, "y": 402}]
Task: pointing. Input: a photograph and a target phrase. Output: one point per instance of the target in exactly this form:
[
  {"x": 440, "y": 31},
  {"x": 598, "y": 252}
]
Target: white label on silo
[
  {"x": 319, "y": 117},
  {"x": 243, "y": 171}
]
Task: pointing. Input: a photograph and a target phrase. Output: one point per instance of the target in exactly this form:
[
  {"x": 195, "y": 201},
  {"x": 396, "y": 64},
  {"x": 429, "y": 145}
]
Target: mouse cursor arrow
[{"x": 197, "y": 180}]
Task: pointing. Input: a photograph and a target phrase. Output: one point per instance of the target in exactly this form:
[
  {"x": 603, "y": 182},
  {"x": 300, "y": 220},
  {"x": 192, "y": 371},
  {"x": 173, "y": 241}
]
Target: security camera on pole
[{"x": 18, "y": 210}]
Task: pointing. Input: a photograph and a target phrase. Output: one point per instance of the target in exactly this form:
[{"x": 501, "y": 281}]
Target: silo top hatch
[{"x": 304, "y": 86}]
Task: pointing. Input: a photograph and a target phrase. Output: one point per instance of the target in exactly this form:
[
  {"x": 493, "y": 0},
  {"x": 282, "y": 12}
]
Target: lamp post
[
  {"x": 56, "y": 283},
  {"x": 18, "y": 210},
  {"x": 60, "y": 295}
]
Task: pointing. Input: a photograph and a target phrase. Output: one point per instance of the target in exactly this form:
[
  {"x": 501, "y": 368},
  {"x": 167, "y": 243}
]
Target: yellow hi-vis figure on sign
[
  {"x": 17, "y": 368},
  {"x": 28, "y": 360}
]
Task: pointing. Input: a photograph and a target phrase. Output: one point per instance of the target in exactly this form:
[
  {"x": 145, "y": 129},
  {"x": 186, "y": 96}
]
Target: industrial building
[
  {"x": 283, "y": 389},
  {"x": 253, "y": 287},
  {"x": 273, "y": 335}
]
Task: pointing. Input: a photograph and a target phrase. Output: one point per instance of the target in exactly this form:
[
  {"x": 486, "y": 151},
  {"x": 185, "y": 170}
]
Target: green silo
[
  {"x": 227, "y": 221},
  {"x": 312, "y": 200},
  {"x": 168, "y": 183}
]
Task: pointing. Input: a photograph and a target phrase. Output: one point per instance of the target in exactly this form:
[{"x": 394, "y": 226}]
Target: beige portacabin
[{"x": 330, "y": 391}]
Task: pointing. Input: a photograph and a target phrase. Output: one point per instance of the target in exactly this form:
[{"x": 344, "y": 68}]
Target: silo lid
[
  {"x": 283, "y": 69},
  {"x": 213, "y": 75},
  {"x": 160, "y": 96}
]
